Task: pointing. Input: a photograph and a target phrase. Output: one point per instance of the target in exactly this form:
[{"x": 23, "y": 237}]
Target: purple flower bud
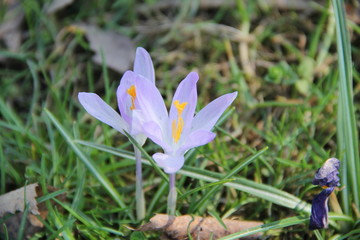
[
  {"x": 319, "y": 210},
  {"x": 327, "y": 175}
]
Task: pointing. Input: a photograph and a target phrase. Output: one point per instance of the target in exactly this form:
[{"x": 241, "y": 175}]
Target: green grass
[
  {"x": 347, "y": 130},
  {"x": 296, "y": 107}
]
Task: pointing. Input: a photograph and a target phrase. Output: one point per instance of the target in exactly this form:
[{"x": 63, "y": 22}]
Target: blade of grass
[
  {"x": 347, "y": 130},
  {"x": 355, "y": 234},
  {"x": 78, "y": 216},
  {"x": 259, "y": 190},
  {"x": 218, "y": 218},
  {"x": 205, "y": 187},
  {"x": 85, "y": 220},
  {"x": 156, "y": 197},
  {"x": 5, "y": 232},
  {"x": 61, "y": 230},
  {"x": 20, "y": 233},
  {"x": 50, "y": 195},
  {"x": 287, "y": 222},
  {"x": 202, "y": 203},
  {"x": 318, "y": 235},
  {"x": 266, "y": 227},
  {"x": 3, "y": 164},
  {"x": 95, "y": 170},
  {"x": 78, "y": 197}
]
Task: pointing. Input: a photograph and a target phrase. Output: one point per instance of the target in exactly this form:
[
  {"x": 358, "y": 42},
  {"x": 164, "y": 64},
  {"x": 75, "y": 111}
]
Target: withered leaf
[
  {"x": 12, "y": 206},
  {"x": 118, "y": 50},
  {"x": 198, "y": 227},
  {"x": 15, "y": 201}
]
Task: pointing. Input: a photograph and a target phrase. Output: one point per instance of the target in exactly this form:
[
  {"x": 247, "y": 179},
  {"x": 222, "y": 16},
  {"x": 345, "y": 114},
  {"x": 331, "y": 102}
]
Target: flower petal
[
  {"x": 124, "y": 99},
  {"x": 206, "y": 118},
  {"x": 151, "y": 102},
  {"x": 170, "y": 164},
  {"x": 96, "y": 107},
  {"x": 137, "y": 122},
  {"x": 143, "y": 64},
  {"x": 140, "y": 138},
  {"x": 197, "y": 138},
  {"x": 153, "y": 131},
  {"x": 186, "y": 92}
]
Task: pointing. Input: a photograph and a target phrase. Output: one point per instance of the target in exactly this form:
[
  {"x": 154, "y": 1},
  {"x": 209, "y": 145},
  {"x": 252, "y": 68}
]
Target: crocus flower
[
  {"x": 180, "y": 130},
  {"x": 127, "y": 95},
  {"x": 327, "y": 178}
]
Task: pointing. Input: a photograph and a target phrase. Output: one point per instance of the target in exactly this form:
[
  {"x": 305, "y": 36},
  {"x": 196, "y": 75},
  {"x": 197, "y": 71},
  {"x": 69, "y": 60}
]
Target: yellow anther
[
  {"x": 177, "y": 126},
  {"x": 180, "y": 106},
  {"x": 132, "y": 92}
]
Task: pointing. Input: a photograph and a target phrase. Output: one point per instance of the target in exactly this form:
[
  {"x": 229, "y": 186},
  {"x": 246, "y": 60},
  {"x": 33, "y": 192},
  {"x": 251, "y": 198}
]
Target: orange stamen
[
  {"x": 177, "y": 126},
  {"x": 132, "y": 92}
]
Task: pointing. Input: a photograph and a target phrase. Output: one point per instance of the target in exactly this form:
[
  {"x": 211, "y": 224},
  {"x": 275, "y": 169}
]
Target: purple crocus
[
  {"x": 127, "y": 96},
  {"x": 180, "y": 130}
]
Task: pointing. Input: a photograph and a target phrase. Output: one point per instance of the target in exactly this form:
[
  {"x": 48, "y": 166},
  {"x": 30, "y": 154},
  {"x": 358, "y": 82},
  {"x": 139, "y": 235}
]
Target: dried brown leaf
[
  {"x": 198, "y": 227},
  {"x": 12, "y": 206},
  {"x": 15, "y": 201},
  {"x": 118, "y": 50}
]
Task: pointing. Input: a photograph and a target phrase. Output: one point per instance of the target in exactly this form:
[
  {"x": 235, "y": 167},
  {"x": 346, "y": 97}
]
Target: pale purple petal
[
  {"x": 137, "y": 122},
  {"x": 153, "y": 131},
  {"x": 124, "y": 99},
  {"x": 186, "y": 92},
  {"x": 206, "y": 118},
  {"x": 151, "y": 102},
  {"x": 197, "y": 138},
  {"x": 170, "y": 164},
  {"x": 143, "y": 64},
  {"x": 140, "y": 138},
  {"x": 96, "y": 107}
]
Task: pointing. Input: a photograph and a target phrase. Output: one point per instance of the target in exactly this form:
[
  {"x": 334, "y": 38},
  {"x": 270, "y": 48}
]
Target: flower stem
[
  {"x": 172, "y": 195},
  {"x": 140, "y": 199}
]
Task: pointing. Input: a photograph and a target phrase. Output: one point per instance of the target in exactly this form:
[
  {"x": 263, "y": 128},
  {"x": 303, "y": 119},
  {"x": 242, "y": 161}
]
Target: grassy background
[{"x": 282, "y": 60}]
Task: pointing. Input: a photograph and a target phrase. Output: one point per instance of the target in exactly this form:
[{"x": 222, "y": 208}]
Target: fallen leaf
[
  {"x": 57, "y": 5},
  {"x": 10, "y": 31},
  {"x": 118, "y": 50},
  {"x": 12, "y": 206},
  {"x": 181, "y": 227},
  {"x": 15, "y": 201}
]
